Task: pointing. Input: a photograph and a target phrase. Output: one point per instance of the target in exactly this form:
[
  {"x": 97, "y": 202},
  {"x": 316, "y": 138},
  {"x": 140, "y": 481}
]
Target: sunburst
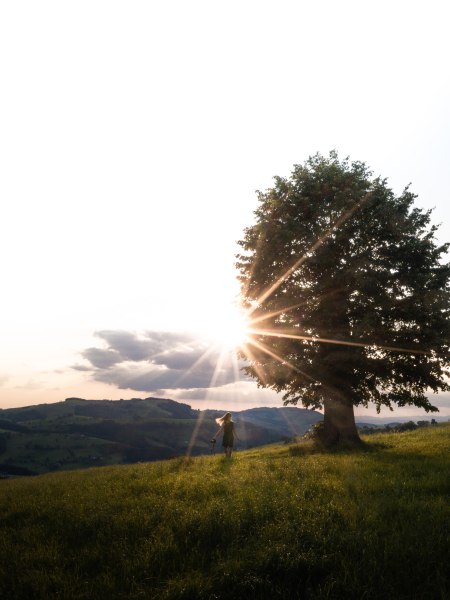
[
  {"x": 228, "y": 329},
  {"x": 245, "y": 332}
]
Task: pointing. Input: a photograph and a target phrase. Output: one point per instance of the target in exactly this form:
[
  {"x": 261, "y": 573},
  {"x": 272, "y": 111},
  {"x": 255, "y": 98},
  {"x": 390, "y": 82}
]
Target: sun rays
[
  {"x": 256, "y": 334},
  {"x": 251, "y": 333},
  {"x": 247, "y": 339},
  {"x": 336, "y": 225},
  {"x": 227, "y": 337},
  {"x": 232, "y": 330},
  {"x": 323, "y": 340}
]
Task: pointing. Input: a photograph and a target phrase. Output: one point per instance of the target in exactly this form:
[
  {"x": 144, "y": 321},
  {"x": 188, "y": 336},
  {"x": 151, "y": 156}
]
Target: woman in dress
[{"x": 227, "y": 428}]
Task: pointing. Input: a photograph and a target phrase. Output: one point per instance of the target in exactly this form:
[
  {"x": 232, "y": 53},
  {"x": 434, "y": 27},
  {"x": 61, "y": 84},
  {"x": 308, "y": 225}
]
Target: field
[{"x": 275, "y": 522}]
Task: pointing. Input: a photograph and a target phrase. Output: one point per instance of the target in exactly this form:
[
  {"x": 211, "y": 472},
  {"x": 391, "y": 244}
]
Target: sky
[{"x": 133, "y": 136}]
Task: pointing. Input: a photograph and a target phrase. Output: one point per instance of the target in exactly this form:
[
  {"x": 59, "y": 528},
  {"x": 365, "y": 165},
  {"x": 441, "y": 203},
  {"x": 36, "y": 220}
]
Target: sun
[
  {"x": 229, "y": 328},
  {"x": 233, "y": 332}
]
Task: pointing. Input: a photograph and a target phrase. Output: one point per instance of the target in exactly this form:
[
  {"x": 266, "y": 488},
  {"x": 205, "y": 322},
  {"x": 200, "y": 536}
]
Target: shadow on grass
[
  {"x": 379, "y": 453},
  {"x": 307, "y": 447}
]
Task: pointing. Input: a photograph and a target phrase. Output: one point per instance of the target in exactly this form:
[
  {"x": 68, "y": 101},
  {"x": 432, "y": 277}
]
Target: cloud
[
  {"x": 156, "y": 377},
  {"x": 187, "y": 368},
  {"x": 102, "y": 359},
  {"x": 158, "y": 360},
  {"x": 127, "y": 345},
  {"x": 3, "y": 379},
  {"x": 81, "y": 368}
]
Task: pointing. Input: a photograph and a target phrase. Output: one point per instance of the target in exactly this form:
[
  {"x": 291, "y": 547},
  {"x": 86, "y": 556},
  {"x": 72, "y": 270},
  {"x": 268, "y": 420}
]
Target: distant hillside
[
  {"x": 288, "y": 421},
  {"x": 382, "y": 421},
  {"x": 79, "y": 433}
]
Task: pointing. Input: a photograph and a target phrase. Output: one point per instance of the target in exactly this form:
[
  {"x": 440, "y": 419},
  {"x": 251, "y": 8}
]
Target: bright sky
[{"x": 133, "y": 136}]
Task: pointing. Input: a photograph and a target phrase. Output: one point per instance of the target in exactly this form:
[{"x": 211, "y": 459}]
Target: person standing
[{"x": 229, "y": 434}]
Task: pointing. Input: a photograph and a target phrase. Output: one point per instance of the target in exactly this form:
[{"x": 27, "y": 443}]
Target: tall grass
[{"x": 277, "y": 522}]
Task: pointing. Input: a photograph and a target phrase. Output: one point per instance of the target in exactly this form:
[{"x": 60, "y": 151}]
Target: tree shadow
[
  {"x": 307, "y": 447},
  {"x": 379, "y": 453}
]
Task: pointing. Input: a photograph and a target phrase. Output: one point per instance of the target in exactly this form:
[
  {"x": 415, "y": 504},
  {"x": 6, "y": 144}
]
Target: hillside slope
[
  {"x": 276, "y": 522},
  {"x": 79, "y": 433}
]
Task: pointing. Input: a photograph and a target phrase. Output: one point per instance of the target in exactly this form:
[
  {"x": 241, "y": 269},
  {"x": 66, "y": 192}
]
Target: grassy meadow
[{"x": 275, "y": 522}]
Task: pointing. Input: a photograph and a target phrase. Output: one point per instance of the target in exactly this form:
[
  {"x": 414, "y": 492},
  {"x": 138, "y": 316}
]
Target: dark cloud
[
  {"x": 185, "y": 358},
  {"x": 102, "y": 359},
  {"x": 157, "y": 377},
  {"x": 127, "y": 345},
  {"x": 131, "y": 347},
  {"x": 159, "y": 361}
]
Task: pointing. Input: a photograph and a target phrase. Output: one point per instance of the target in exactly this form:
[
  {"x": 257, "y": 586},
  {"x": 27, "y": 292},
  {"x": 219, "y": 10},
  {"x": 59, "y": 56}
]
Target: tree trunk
[{"x": 339, "y": 423}]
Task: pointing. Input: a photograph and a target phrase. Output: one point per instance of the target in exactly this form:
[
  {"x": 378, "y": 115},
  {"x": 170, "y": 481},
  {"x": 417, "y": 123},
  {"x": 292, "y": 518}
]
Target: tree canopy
[{"x": 347, "y": 289}]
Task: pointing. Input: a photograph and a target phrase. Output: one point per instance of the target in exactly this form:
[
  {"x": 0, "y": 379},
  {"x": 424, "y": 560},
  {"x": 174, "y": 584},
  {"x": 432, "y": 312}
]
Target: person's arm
[{"x": 218, "y": 431}]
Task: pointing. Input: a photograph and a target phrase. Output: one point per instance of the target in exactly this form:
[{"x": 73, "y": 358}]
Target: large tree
[{"x": 348, "y": 294}]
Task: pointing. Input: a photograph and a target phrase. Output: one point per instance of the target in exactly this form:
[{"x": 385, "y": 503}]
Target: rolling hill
[{"x": 79, "y": 433}]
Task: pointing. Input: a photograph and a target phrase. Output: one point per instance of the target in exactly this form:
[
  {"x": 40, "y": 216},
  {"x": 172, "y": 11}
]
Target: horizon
[{"x": 199, "y": 405}]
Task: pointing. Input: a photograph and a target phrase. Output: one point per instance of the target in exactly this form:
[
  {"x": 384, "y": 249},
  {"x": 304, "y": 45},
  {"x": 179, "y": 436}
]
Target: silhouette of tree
[{"x": 348, "y": 296}]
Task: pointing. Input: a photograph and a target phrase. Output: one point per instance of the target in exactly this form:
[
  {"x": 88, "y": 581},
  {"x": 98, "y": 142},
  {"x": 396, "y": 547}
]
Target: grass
[{"x": 276, "y": 522}]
